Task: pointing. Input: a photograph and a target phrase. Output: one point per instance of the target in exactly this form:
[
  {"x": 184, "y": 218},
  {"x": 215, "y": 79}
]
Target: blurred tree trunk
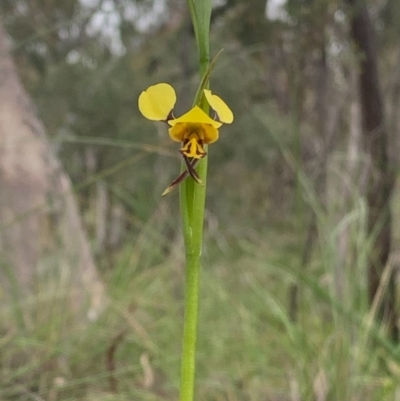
[
  {"x": 394, "y": 107},
  {"x": 41, "y": 234},
  {"x": 381, "y": 178},
  {"x": 323, "y": 128}
]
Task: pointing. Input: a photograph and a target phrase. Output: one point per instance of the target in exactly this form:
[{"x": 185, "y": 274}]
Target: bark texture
[
  {"x": 41, "y": 234},
  {"x": 381, "y": 178}
]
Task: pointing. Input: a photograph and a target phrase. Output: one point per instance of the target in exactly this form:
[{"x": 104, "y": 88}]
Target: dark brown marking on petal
[
  {"x": 169, "y": 117},
  {"x": 180, "y": 178},
  {"x": 193, "y": 173}
]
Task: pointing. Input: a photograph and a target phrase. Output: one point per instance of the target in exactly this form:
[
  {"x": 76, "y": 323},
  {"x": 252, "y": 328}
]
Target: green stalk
[{"x": 192, "y": 203}]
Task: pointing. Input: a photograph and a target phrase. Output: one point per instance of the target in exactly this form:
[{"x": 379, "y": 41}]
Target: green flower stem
[
  {"x": 192, "y": 206},
  {"x": 192, "y": 203},
  {"x": 190, "y": 329}
]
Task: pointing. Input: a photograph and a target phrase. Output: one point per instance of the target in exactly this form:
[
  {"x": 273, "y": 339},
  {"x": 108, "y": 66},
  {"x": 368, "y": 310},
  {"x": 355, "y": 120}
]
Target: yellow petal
[
  {"x": 193, "y": 148},
  {"x": 210, "y": 133},
  {"x": 177, "y": 132},
  {"x": 195, "y": 116},
  {"x": 225, "y": 114},
  {"x": 181, "y": 131},
  {"x": 157, "y": 102}
]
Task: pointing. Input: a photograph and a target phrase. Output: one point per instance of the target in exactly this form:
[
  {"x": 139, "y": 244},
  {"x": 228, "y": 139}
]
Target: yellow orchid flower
[{"x": 193, "y": 129}]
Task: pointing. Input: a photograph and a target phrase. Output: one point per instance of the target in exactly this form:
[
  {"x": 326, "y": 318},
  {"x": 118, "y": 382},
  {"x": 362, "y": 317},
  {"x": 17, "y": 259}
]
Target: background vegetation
[{"x": 287, "y": 312}]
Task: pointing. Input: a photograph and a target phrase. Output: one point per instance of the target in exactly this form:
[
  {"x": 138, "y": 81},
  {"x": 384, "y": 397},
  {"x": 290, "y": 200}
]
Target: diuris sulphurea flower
[{"x": 193, "y": 129}]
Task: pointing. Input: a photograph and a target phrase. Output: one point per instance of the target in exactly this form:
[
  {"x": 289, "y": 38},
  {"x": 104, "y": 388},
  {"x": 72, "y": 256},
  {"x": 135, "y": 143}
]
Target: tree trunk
[
  {"x": 41, "y": 235},
  {"x": 381, "y": 178}
]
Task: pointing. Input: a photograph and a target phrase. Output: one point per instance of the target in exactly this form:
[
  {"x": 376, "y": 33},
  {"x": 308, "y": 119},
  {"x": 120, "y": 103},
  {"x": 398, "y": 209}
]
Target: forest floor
[{"x": 249, "y": 349}]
